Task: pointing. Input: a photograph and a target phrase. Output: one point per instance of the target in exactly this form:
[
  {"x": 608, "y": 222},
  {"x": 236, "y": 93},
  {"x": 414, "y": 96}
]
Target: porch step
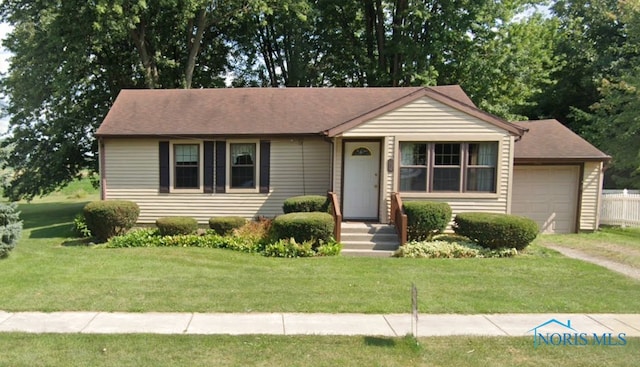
[
  {"x": 367, "y": 253},
  {"x": 368, "y": 239}
]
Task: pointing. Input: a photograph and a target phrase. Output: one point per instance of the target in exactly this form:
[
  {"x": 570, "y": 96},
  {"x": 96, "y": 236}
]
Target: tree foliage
[
  {"x": 71, "y": 59},
  {"x": 613, "y": 122},
  {"x": 10, "y": 228}
]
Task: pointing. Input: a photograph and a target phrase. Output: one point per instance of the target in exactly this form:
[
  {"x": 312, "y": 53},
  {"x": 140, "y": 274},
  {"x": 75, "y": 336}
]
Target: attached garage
[
  {"x": 547, "y": 194},
  {"x": 557, "y": 178}
]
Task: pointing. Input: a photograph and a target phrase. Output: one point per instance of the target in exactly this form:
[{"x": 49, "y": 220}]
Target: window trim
[
  {"x": 172, "y": 166},
  {"x": 464, "y": 167},
  {"x": 256, "y": 164}
]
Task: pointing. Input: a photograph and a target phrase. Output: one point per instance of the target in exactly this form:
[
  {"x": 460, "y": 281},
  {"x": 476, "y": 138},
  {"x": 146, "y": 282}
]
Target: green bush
[
  {"x": 331, "y": 248},
  {"x": 441, "y": 249},
  {"x": 426, "y": 219},
  {"x": 108, "y": 218},
  {"x": 496, "y": 231},
  {"x": 10, "y": 228},
  {"x": 136, "y": 238},
  {"x": 225, "y": 225},
  {"x": 436, "y": 250},
  {"x": 289, "y": 248},
  {"x": 282, "y": 248},
  {"x": 307, "y": 203},
  {"x": 303, "y": 227},
  {"x": 80, "y": 226},
  {"x": 171, "y": 226}
]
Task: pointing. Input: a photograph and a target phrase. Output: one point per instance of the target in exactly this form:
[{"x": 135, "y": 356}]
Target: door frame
[{"x": 380, "y": 143}]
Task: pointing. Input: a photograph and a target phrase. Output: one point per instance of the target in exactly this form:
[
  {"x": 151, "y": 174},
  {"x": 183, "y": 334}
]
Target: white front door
[{"x": 361, "y": 180}]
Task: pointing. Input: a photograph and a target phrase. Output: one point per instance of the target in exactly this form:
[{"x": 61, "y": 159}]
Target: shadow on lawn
[
  {"x": 374, "y": 341},
  {"x": 51, "y": 219}
]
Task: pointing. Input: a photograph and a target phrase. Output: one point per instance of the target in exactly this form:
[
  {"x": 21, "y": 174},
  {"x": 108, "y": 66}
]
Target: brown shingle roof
[
  {"x": 267, "y": 111},
  {"x": 550, "y": 140}
]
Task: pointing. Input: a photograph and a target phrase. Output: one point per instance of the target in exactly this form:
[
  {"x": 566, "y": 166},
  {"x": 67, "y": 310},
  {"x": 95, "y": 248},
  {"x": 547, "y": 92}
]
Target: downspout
[{"x": 102, "y": 169}]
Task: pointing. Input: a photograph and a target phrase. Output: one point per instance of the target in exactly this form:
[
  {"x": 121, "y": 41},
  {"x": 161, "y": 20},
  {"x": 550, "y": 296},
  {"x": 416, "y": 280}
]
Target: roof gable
[{"x": 268, "y": 111}]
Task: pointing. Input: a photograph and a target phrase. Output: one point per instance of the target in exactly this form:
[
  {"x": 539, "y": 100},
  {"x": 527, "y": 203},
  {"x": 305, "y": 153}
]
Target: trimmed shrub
[
  {"x": 303, "y": 227},
  {"x": 108, "y": 218},
  {"x": 426, "y": 219},
  {"x": 495, "y": 231},
  {"x": 10, "y": 228},
  {"x": 172, "y": 226},
  {"x": 307, "y": 203},
  {"x": 225, "y": 225}
]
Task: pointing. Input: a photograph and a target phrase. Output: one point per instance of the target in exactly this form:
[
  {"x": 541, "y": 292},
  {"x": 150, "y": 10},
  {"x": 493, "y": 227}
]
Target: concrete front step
[
  {"x": 367, "y": 253},
  {"x": 368, "y": 239}
]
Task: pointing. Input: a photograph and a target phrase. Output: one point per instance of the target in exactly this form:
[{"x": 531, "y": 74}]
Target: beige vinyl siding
[
  {"x": 298, "y": 167},
  {"x": 430, "y": 121},
  {"x": 591, "y": 190},
  {"x": 423, "y": 116}
]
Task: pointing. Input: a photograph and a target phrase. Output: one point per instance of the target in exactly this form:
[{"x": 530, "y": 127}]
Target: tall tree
[
  {"x": 70, "y": 59},
  {"x": 613, "y": 123},
  {"x": 509, "y": 67},
  {"x": 590, "y": 35}
]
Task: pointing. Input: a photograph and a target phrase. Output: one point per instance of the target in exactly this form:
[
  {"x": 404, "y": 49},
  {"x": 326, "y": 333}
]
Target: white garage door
[{"x": 548, "y": 195}]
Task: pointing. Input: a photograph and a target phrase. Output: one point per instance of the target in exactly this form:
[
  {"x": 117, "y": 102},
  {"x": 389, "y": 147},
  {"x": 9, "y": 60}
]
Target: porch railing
[
  {"x": 398, "y": 217},
  {"x": 337, "y": 215}
]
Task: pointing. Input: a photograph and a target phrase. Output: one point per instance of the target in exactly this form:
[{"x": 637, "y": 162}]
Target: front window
[
  {"x": 448, "y": 167},
  {"x": 187, "y": 162},
  {"x": 413, "y": 166},
  {"x": 243, "y": 165},
  {"x": 481, "y": 167}
]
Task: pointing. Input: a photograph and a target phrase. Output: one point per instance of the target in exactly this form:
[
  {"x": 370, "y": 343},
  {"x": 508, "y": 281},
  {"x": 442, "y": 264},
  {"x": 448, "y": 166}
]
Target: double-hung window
[
  {"x": 448, "y": 167},
  {"x": 242, "y": 163},
  {"x": 186, "y": 166},
  {"x": 212, "y": 167}
]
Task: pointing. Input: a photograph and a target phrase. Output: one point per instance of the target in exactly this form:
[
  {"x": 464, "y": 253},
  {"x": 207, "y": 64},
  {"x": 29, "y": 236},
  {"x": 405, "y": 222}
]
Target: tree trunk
[
  {"x": 148, "y": 63},
  {"x": 398, "y": 25},
  {"x": 194, "y": 46}
]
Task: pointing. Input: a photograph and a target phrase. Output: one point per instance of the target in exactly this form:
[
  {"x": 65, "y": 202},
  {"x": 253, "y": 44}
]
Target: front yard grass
[
  {"x": 613, "y": 243},
  {"x": 181, "y": 350},
  {"x": 50, "y": 271}
]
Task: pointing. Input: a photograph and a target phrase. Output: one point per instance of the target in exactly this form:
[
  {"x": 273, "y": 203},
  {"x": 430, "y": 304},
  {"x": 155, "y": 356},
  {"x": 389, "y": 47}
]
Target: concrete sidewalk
[{"x": 314, "y": 324}]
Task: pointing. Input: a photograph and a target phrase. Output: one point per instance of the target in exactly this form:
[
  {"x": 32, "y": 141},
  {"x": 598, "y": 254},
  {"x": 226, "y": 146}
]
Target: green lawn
[
  {"x": 614, "y": 243},
  {"x": 49, "y": 271},
  {"x": 160, "y": 350}
]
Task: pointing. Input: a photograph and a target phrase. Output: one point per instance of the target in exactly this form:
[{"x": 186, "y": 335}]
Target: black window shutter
[
  {"x": 208, "y": 167},
  {"x": 265, "y": 164},
  {"x": 221, "y": 166},
  {"x": 164, "y": 166}
]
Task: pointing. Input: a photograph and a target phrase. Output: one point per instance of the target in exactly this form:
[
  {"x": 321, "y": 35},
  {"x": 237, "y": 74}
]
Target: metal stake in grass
[{"x": 414, "y": 310}]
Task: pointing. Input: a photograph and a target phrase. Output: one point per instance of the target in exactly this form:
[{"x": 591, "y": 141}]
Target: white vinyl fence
[{"x": 620, "y": 208}]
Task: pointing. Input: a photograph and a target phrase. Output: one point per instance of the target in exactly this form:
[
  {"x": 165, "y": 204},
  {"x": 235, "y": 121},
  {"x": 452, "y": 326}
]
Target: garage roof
[{"x": 549, "y": 140}]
